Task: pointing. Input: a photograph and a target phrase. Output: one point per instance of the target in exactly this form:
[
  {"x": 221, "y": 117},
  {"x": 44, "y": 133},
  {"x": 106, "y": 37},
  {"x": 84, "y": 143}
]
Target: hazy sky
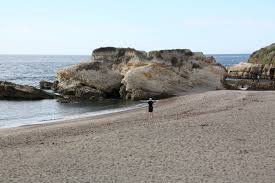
[{"x": 79, "y": 26}]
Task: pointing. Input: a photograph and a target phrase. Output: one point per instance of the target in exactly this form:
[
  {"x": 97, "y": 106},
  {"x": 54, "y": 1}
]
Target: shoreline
[
  {"x": 81, "y": 116},
  {"x": 87, "y": 117},
  {"x": 223, "y": 136},
  {"x": 91, "y": 115}
]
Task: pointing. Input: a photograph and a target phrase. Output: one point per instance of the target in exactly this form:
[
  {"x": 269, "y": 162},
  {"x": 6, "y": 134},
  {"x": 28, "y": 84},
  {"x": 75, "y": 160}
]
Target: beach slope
[{"x": 215, "y": 136}]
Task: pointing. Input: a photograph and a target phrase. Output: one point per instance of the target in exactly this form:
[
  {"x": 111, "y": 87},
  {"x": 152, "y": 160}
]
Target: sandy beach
[{"x": 214, "y": 136}]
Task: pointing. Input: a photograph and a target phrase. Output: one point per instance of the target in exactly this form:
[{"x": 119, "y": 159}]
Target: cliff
[{"x": 12, "y": 91}]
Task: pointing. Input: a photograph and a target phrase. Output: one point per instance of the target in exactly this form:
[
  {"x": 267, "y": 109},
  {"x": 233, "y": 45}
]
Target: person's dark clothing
[{"x": 150, "y": 108}]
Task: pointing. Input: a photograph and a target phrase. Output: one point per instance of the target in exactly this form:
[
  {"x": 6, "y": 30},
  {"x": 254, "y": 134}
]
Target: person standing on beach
[
  {"x": 150, "y": 108},
  {"x": 258, "y": 78}
]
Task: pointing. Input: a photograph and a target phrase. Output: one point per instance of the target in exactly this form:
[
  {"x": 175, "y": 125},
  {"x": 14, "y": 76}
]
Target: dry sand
[{"x": 216, "y": 136}]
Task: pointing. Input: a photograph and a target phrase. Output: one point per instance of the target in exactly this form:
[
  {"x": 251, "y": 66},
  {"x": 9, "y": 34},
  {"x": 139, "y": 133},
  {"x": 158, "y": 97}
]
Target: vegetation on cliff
[{"x": 265, "y": 55}]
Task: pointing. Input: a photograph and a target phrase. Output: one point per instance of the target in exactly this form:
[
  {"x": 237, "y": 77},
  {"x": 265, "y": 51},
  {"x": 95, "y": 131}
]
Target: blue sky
[{"x": 79, "y": 26}]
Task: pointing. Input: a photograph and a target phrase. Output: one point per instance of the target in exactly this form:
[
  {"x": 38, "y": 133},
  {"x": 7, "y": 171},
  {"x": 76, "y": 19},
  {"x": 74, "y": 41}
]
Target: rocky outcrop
[
  {"x": 245, "y": 70},
  {"x": 261, "y": 62},
  {"x": 45, "y": 85},
  {"x": 80, "y": 92},
  {"x": 132, "y": 74},
  {"x": 249, "y": 84},
  {"x": 263, "y": 56},
  {"x": 54, "y": 86},
  {"x": 11, "y": 91}
]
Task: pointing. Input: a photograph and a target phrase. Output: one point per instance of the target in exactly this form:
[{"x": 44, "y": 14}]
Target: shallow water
[{"x": 16, "y": 113}]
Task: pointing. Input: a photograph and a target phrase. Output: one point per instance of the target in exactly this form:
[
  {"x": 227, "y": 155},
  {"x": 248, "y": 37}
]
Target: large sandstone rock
[
  {"x": 11, "y": 91},
  {"x": 153, "y": 80},
  {"x": 137, "y": 75},
  {"x": 99, "y": 75},
  {"x": 261, "y": 62}
]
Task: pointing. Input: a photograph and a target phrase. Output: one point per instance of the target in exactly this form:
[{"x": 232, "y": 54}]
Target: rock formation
[
  {"x": 46, "y": 85},
  {"x": 261, "y": 62},
  {"x": 11, "y": 91},
  {"x": 131, "y": 74},
  {"x": 249, "y": 84},
  {"x": 265, "y": 55}
]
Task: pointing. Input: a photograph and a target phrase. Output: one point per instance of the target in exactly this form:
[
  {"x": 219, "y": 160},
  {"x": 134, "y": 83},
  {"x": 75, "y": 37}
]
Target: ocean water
[
  {"x": 230, "y": 59},
  {"x": 30, "y": 69}
]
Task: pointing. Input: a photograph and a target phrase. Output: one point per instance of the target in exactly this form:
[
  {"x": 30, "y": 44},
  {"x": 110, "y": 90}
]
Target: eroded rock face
[
  {"x": 245, "y": 70},
  {"x": 11, "y": 91},
  {"x": 261, "y": 62},
  {"x": 99, "y": 75},
  {"x": 154, "y": 80},
  {"x": 134, "y": 74}
]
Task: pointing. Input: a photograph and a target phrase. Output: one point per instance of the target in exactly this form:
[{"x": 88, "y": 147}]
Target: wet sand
[{"x": 215, "y": 136}]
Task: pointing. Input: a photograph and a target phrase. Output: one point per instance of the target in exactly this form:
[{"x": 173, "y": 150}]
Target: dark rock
[
  {"x": 69, "y": 91},
  {"x": 12, "y": 91},
  {"x": 250, "y": 84},
  {"x": 123, "y": 92},
  {"x": 65, "y": 100},
  {"x": 195, "y": 66},
  {"x": 78, "y": 93},
  {"x": 55, "y": 86},
  {"x": 88, "y": 93},
  {"x": 45, "y": 85}
]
